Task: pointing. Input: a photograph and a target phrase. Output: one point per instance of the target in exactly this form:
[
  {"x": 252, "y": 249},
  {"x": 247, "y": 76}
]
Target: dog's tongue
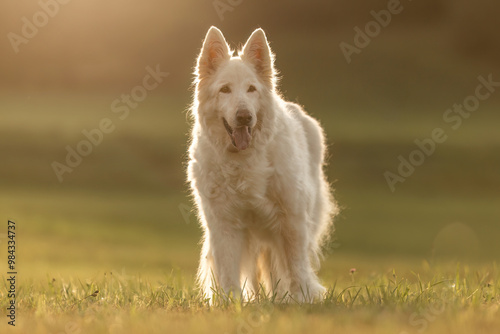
[{"x": 242, "y": 137}]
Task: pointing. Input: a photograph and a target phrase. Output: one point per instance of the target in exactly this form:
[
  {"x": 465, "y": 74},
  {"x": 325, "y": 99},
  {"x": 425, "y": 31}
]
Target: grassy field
[
  {"x": 437, "y": 300},
  {"x": 113, "y": 248},
  {"x": 121, "y": 223}
]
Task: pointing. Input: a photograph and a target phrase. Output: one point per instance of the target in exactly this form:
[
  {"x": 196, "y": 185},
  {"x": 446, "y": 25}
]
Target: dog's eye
[
  {"x": 251, "y": 89},
  {"x": 225, "y": 89}
]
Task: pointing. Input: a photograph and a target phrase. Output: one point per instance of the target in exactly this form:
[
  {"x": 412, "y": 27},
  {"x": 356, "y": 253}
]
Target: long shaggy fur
[{"x": 266, "y": 207}]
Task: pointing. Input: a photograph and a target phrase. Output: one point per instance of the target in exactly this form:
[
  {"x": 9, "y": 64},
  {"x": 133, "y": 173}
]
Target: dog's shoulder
[
  {"x": 312, "y": 130},
  {"x": 294, "y": 109}
]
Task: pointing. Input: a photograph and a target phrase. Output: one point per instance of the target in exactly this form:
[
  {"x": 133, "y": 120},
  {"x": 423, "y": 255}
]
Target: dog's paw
[{"x": 310, "y": 293}]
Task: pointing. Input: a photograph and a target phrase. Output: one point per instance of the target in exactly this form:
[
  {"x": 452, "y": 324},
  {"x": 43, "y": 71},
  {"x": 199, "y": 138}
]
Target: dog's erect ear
[
  {"x": 257, "y": 52},
  {"x": 214, "y": 51}
]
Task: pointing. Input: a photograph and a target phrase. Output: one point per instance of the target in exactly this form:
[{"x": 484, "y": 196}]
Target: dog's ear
[
  {"x": 214, "y": 51},
  {"x": 257, "y": 52}
]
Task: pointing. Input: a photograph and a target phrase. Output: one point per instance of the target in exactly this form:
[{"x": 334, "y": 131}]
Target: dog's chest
[
  {"x": 241, "y": 183},
  {"x": 242, "y": 191}
]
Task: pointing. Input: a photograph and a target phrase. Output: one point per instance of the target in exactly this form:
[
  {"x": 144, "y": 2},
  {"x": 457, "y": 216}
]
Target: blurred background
[{"x": 125, "y": 206}]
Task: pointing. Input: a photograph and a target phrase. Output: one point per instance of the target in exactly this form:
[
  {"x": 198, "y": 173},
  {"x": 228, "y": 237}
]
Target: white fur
[{"x": 265, "y": 210}]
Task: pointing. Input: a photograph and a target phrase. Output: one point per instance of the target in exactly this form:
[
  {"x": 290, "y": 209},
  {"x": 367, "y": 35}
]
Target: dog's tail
[
  {"x": 324, "y": 237},
  {"x": 326, "y": 207}
]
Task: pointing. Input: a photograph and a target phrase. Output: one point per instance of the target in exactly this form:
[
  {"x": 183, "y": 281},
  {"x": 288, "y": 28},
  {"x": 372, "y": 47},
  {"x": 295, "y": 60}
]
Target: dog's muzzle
[{"x": 241, "y": 135}]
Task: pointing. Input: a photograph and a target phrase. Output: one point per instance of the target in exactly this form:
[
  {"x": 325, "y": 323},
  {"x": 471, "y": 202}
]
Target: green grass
[
  {"x": 122, "y": 224},
  {"x": 125, "y": 210},
  {"x": 438, "y": 300}
]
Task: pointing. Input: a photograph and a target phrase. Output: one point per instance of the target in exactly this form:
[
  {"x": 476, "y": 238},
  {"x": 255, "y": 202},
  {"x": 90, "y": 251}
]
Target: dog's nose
[{"x": 243, "y": 117}]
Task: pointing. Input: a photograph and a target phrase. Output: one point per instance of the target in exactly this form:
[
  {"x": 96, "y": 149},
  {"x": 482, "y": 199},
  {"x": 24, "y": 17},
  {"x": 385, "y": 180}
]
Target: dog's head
[{"x": 230, "y": 90}]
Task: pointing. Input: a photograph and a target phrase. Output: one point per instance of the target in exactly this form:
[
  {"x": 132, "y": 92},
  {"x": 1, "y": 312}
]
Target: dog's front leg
[
  {"x": 226, "y": 245},
  {"x": 304, "y": 285}
]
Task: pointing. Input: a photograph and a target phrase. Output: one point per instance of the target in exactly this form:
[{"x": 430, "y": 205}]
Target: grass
[
  {"x": 441, "y": 300},
  {"x": 121, "y": 223}
]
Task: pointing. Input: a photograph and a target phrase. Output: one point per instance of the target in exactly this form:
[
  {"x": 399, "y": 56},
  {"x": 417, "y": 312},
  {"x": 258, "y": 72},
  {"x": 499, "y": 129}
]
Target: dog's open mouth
[{"x": 240, "y": 136}]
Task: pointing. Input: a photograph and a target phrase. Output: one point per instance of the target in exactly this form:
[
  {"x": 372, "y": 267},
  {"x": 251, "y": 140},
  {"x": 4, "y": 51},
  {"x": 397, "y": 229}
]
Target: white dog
[{"x": 256, "y": 173}]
